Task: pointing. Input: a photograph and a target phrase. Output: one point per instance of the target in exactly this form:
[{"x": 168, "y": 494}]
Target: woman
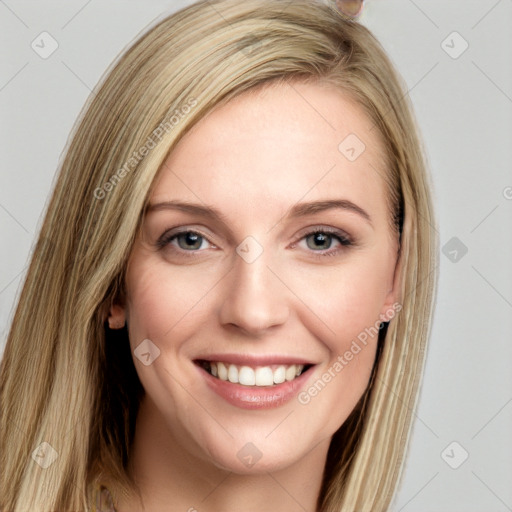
[{"x": 230, "y": 298}]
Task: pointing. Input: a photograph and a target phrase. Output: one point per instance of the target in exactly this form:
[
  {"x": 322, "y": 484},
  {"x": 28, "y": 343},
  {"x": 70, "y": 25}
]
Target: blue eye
[
  {"x": 319, "y": 242},
  {"x": 323, "y": 240},
  {"x": 190, "y": 240},
  {"x": 186, "y": 240}
]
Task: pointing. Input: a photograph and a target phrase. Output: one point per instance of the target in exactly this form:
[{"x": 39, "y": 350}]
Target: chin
[{"x": 249, "y": 459}]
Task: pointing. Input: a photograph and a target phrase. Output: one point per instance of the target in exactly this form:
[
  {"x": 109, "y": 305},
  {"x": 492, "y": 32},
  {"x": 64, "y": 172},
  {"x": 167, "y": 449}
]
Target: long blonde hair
[{"x": 68, "y": 388}]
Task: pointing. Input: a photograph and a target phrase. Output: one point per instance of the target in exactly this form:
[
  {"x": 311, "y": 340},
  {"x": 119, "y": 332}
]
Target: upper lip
[{"x": 255, "y": 360}]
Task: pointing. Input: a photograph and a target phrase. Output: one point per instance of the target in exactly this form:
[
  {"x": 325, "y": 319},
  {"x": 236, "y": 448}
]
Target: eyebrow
[{"x": 298, "y": 210}]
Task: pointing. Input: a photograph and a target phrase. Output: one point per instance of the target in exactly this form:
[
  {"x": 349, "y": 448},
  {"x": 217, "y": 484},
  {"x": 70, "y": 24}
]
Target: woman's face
[{"x": 228, "y": 277}]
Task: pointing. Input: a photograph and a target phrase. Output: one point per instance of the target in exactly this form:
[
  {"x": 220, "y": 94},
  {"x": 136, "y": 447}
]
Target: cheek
[
  {"x": 347, "y": 300},
  {"x": 343, "y": 311},
  {"x": 164, "y": 302}
]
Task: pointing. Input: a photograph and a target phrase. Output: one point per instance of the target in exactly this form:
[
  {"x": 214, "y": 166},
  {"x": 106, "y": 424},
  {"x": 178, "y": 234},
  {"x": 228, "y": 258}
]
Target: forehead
[{"x": 270, "y": 148}]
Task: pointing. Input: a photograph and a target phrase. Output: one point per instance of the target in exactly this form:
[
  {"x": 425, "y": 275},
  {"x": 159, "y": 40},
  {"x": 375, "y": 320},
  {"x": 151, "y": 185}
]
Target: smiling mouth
[{"x": 251, "y": 376}]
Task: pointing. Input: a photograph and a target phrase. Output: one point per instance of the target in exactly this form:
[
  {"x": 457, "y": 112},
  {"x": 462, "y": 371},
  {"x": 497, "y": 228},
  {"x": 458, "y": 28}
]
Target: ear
[
  {"x": 392, "y": 304},
  {"x": 116, "y": 317}
]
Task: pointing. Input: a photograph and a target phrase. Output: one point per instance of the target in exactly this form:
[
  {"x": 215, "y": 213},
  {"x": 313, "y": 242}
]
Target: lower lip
[{"x": 256, "y": 397}]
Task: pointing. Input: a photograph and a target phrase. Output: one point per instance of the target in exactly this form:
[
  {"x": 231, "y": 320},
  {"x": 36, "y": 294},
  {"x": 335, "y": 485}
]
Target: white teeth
[
  {"x": 223, "y": 371},
  {"x": 279, "y": 375},
  {"x": 264, "y": 376},
  {"x": 290, "y": 372},
  {"x": 259, "y": 376},
  {"x": 233, "y": 374},
  {"x": 246, "y": 376}
]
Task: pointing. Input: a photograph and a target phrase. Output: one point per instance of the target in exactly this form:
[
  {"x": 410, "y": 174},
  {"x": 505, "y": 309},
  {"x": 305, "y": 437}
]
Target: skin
[{"x": 253, "y": 159}]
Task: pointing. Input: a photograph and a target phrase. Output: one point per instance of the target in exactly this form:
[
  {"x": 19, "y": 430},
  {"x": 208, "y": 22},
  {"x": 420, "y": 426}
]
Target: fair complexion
[{"x": 289, "y": 294}]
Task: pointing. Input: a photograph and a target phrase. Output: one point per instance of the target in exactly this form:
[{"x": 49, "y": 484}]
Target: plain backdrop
[{"x": 455, "y": 58}]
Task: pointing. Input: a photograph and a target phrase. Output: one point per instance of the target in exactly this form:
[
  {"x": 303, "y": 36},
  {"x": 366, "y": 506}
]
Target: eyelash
[
  {"x": 342, "y": 238},
  {"x": 345, "y": 241}
]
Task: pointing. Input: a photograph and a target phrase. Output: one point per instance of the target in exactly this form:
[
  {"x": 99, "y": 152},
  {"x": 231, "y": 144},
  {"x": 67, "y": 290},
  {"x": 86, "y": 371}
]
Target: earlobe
[{"x": 116, "y": 317}]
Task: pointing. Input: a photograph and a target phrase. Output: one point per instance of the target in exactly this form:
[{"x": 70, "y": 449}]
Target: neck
[{"x": 171, "y": 478}]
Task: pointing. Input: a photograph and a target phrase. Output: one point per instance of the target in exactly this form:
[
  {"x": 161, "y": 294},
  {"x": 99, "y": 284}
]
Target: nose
[{"x": 255, "y": 299}]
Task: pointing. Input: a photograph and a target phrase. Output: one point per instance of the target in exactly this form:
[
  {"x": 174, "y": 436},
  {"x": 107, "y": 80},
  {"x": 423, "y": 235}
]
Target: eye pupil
[
  {"x": 192, "y": 240},
  {"x": 322, "y": 239}
]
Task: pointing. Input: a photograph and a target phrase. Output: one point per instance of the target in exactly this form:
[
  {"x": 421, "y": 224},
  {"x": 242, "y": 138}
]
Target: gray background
[{"x": 463, "y": 102}]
